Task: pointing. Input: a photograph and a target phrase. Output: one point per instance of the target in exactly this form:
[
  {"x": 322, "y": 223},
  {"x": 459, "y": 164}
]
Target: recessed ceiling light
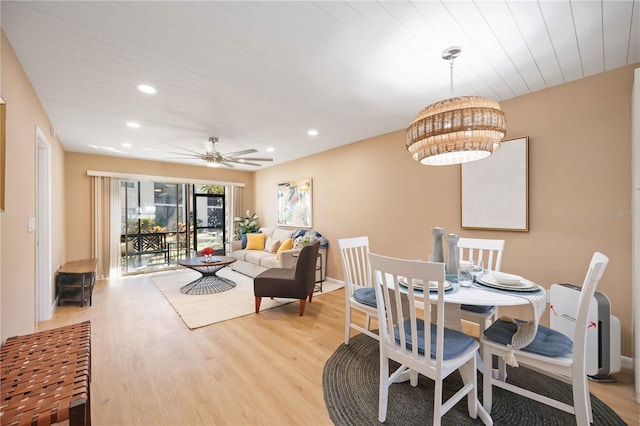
[
  {"x": 127, "y": 145},
  {"x": 145, "y": 88},
  {"x": 133, "y": 125},
  {"x": 312, "y": 132},
  {"x": 270, "y": 149}
]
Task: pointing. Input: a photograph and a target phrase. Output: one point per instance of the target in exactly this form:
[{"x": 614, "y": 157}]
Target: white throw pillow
[
  {"x": 271, "y": 245},
  {"x": 281, "y": 234}
]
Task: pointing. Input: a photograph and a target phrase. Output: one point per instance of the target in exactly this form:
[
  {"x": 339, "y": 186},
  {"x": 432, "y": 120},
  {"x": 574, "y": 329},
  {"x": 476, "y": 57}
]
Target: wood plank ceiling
[{"x": 260, "y": 74}]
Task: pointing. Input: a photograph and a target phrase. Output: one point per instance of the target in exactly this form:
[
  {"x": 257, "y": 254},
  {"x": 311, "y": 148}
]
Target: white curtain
[
  {"x": 233, "y": 202},
  {"x": 106, "y": 226}
]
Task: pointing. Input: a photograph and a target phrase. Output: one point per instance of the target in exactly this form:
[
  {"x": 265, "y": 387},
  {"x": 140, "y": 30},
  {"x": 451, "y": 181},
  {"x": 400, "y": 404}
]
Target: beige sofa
[{"x": 252, "y": 262}]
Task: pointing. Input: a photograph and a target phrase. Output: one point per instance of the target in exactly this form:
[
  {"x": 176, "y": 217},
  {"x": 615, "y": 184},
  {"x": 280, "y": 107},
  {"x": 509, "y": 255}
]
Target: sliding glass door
[
  {"x": 162, "y": 223},
  {"x": 209, "y": 211}
]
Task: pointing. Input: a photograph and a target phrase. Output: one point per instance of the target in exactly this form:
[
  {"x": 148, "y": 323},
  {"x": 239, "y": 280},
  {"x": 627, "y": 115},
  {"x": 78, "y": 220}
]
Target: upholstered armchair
[{"x": 297, "y": 283}]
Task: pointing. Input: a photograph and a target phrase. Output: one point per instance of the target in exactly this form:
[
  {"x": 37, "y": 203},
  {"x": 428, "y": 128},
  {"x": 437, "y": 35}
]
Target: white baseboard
[
  {"x": 333, "y": 280},
  {"x": 626, "y": 362}
]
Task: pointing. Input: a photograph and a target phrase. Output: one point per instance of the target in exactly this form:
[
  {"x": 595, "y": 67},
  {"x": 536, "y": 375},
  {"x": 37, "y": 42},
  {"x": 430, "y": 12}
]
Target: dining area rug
[
  {"x": 350, "y": 384},
  {"x": 202, "y": 310}
]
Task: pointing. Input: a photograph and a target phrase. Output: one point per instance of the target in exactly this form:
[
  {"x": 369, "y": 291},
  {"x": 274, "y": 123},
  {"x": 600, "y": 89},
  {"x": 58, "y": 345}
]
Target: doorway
[
  {"x": 41, "y": 224},
  {"x": 163, "y": 223},
  {"x": 209, "y": 214}
]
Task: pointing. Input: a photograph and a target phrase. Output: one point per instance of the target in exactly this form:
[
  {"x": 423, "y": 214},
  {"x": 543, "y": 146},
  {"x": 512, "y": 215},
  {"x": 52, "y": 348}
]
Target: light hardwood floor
[{"x": 148, "y": 368}]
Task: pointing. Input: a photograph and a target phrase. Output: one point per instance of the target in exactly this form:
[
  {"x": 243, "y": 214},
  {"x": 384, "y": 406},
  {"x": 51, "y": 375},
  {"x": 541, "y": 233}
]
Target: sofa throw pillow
[
  {"x": 243, "y": 237},
  {"x": 271, "y": 246},
  {"x": 286, "y": 245},
  {"x": 255, "y": 241},
  {"x": 305, "y": 239}
]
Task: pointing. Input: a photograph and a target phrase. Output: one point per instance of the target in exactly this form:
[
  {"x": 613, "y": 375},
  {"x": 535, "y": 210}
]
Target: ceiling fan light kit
[
  {"x": 213, "y": 158},
  {"x": 456, "y": 130}
]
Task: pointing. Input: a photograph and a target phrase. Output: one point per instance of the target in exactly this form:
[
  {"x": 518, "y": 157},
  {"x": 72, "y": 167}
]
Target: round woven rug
[{"x": 350, "y": 383}]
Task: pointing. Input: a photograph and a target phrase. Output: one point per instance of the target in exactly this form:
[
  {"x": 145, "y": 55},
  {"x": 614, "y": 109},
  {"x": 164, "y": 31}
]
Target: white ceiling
[{"x": 260, "y": 74}]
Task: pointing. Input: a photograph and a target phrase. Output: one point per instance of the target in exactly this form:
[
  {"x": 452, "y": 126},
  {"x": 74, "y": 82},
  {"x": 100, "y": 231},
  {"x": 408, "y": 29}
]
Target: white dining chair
[
  {"x": 551, "y": 352},
  {"x": 408, "y": 337},
  {"x": 489, "y": 252},
  {"x": 359, "y": 291}
]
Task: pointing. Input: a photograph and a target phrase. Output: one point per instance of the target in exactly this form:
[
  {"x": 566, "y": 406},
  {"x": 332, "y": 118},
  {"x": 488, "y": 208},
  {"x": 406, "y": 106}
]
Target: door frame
[
  {"x": 44, "y": 278},
  {"x": 635, "y": 218}
]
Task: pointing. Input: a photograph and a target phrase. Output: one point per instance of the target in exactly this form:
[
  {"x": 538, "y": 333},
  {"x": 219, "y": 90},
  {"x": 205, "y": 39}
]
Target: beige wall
[
  {"x": 17, "y": 253},
  {"x": 78, "y": 188},
  {"x": 579, "y": 190}
]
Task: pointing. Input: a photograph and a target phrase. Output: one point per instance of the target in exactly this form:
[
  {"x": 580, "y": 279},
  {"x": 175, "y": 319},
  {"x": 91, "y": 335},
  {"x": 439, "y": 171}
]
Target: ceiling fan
[{"x": 213, "y": 158}]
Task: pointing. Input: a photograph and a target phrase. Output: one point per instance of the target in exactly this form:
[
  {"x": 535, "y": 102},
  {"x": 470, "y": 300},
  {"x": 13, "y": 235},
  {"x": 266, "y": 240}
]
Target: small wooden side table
[{"x": 75, "y": 280}]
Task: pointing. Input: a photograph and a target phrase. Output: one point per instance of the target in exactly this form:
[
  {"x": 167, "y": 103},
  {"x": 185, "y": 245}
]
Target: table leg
[
  {"x": 451, "y": 316},
  {"x": 209, "y": 282}
]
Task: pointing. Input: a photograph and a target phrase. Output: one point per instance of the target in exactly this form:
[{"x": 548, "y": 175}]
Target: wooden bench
[
  {"x": 75, "y": 281},
  {"x": 45, "y": 377}
]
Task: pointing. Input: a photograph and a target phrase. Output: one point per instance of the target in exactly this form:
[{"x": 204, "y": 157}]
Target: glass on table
[
  {"x": 465, "y": 279},
  {"x": 477, "y": 270}
]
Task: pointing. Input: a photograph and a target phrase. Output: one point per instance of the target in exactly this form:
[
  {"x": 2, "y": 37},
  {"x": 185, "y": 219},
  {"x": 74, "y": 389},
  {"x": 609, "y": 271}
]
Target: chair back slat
[
  {"x": 355, "y": 263},
  {"x": 476, "y": 249}
]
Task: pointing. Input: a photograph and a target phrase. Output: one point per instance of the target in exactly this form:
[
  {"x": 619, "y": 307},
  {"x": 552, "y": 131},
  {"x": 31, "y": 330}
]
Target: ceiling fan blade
[
  {"x": 246, "y": 151},
  {"x": 191, "y": 157},
  {"x": 187, "y": 149},
  {"x": 252, "y": 159},
  {"x": 196, "y": 155},
  {"x": 246, "y": 163},
  {"x": 226, "y": 163}
]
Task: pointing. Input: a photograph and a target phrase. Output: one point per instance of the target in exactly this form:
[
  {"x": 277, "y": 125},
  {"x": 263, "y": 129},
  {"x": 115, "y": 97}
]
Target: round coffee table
[{"x": 209, "y": 282}]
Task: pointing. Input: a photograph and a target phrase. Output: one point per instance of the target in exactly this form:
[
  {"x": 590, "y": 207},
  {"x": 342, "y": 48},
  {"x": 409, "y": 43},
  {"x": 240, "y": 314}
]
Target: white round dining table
[{"x": 474, "y": 295}]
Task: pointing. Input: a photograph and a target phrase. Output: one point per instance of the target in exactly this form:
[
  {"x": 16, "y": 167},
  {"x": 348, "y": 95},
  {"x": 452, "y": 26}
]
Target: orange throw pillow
[{"x": 286, "y": 245}]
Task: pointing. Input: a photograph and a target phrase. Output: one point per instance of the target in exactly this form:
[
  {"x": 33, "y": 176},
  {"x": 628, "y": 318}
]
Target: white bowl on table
[
  {"x": 504, "y": 278},
  {"x": 466, "y": 265}
]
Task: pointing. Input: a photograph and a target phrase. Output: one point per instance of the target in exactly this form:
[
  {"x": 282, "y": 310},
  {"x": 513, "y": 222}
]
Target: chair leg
[
  {"x": 310, "y": 296},
  {"x": 302, "y": 303},
  {"x": 383, "y": 392},
  {"x": 437, "y": 403},
  {"x": 368, "y": 322},
  {"x": 258, "y": 301},
  {"x": 347, "y": 325},
  {"x": 413, "y": 378},
  {"x": 487, "y": 375},
  {"x": 581, "y": 402},
  {"x": 468, "y": 374}
]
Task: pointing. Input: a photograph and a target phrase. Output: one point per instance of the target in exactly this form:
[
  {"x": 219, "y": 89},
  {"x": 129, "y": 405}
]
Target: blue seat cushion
[
  {"x": 479, "y": 309},
  {"x": 547, "y": 342},
  {"x": 366, "y": 296},
  {"x": 455, "y": 342}
]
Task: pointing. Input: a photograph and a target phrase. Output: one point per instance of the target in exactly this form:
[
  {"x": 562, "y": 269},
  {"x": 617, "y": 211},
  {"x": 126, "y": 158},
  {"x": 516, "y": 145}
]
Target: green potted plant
[{"x": 246, "y": 225}]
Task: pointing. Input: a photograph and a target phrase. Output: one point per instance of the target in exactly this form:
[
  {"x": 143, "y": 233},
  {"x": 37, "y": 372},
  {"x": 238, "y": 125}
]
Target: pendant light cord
[{"x": 451, "y": 77}]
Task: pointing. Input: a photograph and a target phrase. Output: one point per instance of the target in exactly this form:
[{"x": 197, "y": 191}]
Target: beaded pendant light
[{"x": 456, "y": 130}]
